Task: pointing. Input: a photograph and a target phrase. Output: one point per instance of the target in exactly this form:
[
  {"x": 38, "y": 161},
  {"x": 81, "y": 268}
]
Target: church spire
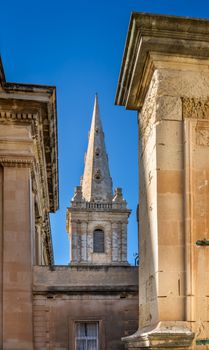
[{"x": 96, "y": 182}]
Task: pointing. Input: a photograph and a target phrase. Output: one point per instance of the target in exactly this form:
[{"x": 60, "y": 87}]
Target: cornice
[
  {"x": 42, "y": 118},
  {"x": 164, "y": 35},
  {"x": 16, "y": 162}
]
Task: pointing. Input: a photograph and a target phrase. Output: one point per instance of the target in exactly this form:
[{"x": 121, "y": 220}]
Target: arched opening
[{"x": 98, "y": 241}]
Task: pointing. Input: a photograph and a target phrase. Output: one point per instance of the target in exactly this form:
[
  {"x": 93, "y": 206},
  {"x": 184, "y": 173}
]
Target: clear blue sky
[{"x": 78, "y": 46}]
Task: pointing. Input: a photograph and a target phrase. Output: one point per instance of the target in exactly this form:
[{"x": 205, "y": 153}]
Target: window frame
[
  {"x": 101, "y": 330},
  {"x": 87, "y": 338},
  {"x": 101, "y": 230}
]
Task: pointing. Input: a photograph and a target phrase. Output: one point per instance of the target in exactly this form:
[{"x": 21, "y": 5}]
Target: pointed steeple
[{"x": 96, "y": 182}]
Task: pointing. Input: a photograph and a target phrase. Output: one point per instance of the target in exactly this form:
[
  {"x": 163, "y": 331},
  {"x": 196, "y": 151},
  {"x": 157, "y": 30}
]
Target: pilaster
[
  {"x": 124, "y": 242},
  {"x": 115, "y": 242},
  {"x": 84, "y": 237},
  {"x": 17, "y": 258},
  {"x": 164, "y": 76},
  {"x": 74, "y": 242}
]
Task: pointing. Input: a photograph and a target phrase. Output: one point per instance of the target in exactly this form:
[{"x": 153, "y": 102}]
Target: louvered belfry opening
[{"x": 98, "y": 238}]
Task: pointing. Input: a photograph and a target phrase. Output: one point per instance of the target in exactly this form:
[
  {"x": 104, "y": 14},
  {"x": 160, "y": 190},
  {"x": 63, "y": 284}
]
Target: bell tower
[{"x": 97, "y": 219}]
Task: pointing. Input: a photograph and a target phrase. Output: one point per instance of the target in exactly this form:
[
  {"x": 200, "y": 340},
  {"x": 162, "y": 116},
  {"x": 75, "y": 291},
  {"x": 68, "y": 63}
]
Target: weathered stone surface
[
  {"x": 66, "y": 294},
  {"x": 165, "y": 77},
  {"x": 28, "y": 191},
  {"x": 71, "y": 278}
]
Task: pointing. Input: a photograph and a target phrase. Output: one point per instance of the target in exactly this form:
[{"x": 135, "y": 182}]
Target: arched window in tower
[{"x": 98, "y": 241}]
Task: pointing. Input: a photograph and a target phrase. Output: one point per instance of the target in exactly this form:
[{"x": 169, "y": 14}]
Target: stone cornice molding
[
  {"x": 40, "y": 114},
  {"x": 164, "y": 35},
  {"x": 39, "y": 160},
  {"x": 16, "y": 162},
  {"x": 39, "y": 164}
]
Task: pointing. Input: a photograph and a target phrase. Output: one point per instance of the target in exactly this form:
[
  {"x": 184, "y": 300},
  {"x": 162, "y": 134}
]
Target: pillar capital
[{"x": 156, "y": 41}]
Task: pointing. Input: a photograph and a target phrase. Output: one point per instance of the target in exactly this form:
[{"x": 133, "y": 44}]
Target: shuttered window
[
  {"x": 87, "y": 336},
  {"x": 99, "y": 241}
]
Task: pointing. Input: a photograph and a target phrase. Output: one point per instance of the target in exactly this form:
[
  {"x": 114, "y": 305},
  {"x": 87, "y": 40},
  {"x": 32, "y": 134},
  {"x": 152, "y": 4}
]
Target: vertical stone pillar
[
  {"x": 124, "y": 242},
  {"x": 73, "y": 242},
  {"x": 84, "y": 241},
  {"x": 38, "y": 242},
  {"x": 17, "y": 259},
  {"x": 165, "y": 78},
  {"x": 89, "y": 244},
  {"x": 115, "y": 238}
]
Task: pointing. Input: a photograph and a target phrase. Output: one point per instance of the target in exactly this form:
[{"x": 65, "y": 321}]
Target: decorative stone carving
[
  {"x": 202, "y": 137},
  {"x": 195, "y": 108},
  {"x": 47, "y": 134},
  {"x": 78, "y": 200},
  {"x": 98, "y": 175},
  {"x": 97, "y": 152},
  {"x": 118, "y": 200}
]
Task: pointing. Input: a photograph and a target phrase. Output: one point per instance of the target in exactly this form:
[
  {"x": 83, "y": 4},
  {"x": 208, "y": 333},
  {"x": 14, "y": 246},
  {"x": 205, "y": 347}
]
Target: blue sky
[{"x": 78, "y": 46}]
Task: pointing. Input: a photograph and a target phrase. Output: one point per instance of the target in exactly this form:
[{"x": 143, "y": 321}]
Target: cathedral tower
[{"x": 97, "y": 220}]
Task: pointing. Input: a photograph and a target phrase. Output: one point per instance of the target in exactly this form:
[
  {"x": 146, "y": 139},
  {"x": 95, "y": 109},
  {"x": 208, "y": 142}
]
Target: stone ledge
[{"x": 85, "y": 289}]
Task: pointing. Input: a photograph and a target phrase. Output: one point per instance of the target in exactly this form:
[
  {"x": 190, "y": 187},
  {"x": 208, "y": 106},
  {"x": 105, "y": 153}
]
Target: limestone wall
[{"x": 66, "y": 295}]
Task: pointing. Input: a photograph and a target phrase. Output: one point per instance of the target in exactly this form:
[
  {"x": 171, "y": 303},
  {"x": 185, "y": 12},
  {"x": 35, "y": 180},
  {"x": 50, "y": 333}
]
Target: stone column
[
  {"x": 84, "y": 241},
  {"x": 17, "y": 258},
  {"x": 73, "y": 242},
  {"x": 124, "y": 242},
  {"x": 115, "y": 238},
  {"x": 165, "y": 78},
  {"x": 89, "y": 243},
  {"x": 38, "y": 241}
]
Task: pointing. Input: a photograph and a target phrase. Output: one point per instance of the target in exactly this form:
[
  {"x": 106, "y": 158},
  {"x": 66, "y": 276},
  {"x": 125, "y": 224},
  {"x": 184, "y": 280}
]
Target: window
[
  {"x": 87, "y": 336},
  {"x": 98, "y": 240}
]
